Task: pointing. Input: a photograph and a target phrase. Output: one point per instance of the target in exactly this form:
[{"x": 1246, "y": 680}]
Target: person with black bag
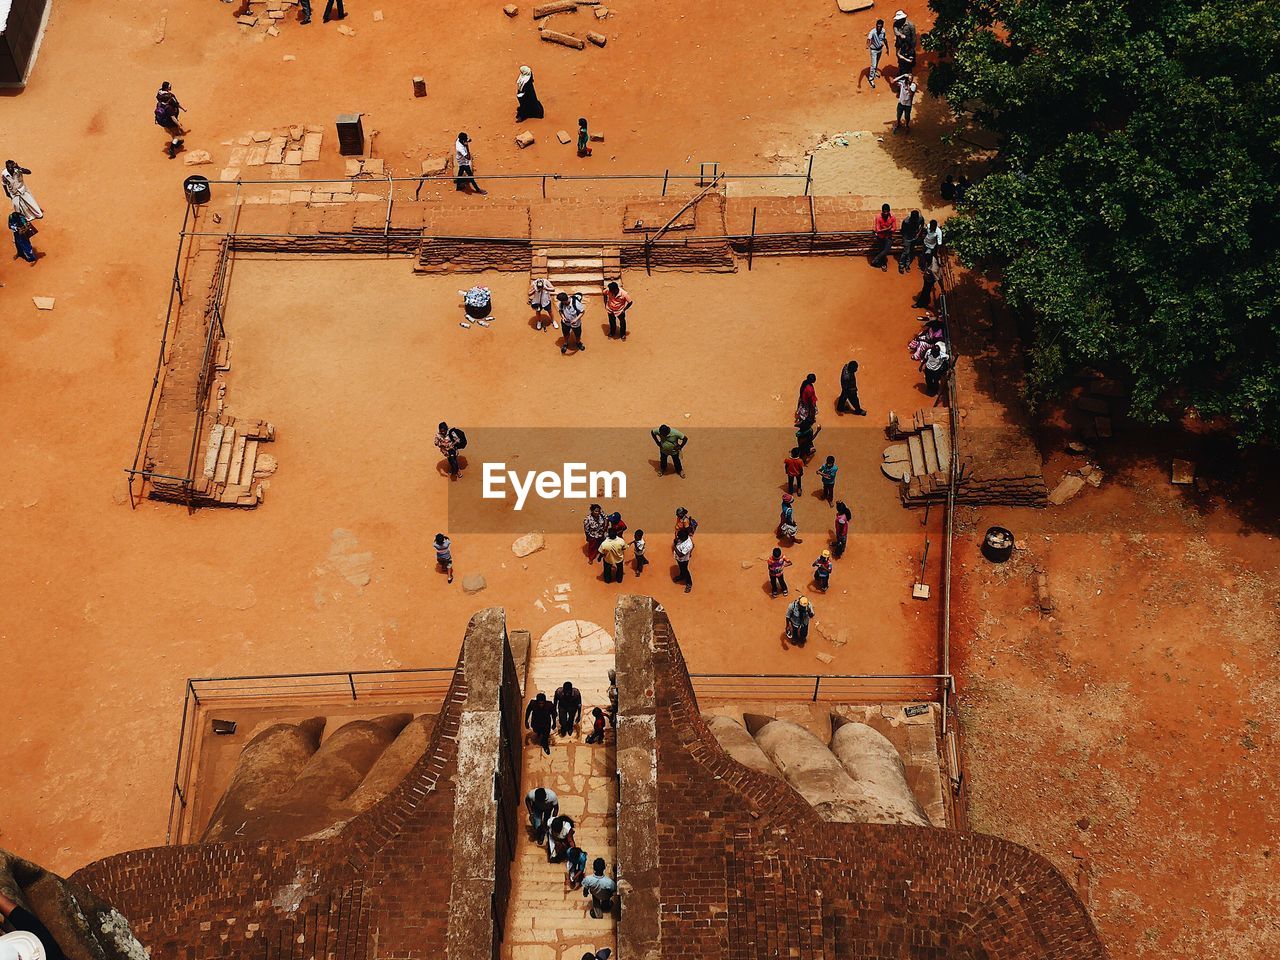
[{"x": 450, "y": 440}]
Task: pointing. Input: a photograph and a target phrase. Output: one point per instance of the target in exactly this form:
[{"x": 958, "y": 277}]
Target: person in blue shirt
[{"x": 828, "y": 474}]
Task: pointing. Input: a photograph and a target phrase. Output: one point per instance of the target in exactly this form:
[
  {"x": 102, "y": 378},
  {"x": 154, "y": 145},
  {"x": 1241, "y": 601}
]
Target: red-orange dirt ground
[{"x": 1150, "y": 718}]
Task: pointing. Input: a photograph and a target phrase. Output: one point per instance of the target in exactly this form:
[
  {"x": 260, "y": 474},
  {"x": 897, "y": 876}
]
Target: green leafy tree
[{"x": 1133, "y": 209}]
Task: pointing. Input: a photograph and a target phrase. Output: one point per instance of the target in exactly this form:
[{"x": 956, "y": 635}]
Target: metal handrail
[
  {"x": 449, "y": 178},
  {"x": 944, "y": 682}
]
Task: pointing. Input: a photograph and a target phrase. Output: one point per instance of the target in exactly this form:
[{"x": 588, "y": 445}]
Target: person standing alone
[
  {"x": 616, "y": 304},
  {"x": 167, "y": 110},
  {"x": 876, "y": 44},
  {"x": 849, "y": 390},
  {"x": 885, "y": 225},
  {"x": 683, "y": 552},
  {"x": 463, "y": 169}
]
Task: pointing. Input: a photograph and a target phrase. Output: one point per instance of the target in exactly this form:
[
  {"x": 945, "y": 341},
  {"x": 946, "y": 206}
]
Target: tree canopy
[{"x": 1132, "y": 210}]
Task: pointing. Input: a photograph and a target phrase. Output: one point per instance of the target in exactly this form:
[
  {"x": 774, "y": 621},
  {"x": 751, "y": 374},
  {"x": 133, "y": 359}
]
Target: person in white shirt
[
  {"x": 541, "y": 293},
  {"x": 934, "y": 366},
  {"x": 683, "y": 551},
  {"x": 932, "y": 243},
  {"x": 462, "y": 165},
  {"x": 907, "y": 91},
  {"x": 571, "y": 311},
  {"x": 876, "y": 44}
]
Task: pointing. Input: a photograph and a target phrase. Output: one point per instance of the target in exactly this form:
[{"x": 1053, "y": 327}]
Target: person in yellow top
[{"x": 612, "y": 550}]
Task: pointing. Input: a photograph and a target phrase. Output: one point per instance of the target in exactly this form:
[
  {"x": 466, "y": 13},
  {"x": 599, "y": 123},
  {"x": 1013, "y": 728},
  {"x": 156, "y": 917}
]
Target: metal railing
[
  {"x": 827, "y": 688},
  {"x": 407, "y": 684}
]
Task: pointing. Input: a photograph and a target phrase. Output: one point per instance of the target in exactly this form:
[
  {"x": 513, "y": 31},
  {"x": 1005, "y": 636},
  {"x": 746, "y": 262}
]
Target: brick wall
[
  {"x": 746, "y": 869},
  {"x": 380, "y": 888}
]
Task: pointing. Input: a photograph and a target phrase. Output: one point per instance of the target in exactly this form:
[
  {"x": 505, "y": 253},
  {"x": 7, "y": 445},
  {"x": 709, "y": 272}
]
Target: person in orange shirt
[
  {"x": 886, "y": 225},
  {"x": 616, "y": 304},
  {"x": 794, "y": 467}
]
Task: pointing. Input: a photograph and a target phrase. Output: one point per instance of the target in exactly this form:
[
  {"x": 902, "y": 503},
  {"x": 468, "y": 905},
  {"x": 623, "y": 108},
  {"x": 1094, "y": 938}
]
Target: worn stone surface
[
  {"x": 528, "y": 544},
  {"x": 564, "y": 39},
  {"x": 524, "y": 139},
  {"x": 194, "y": 158},
  {"x": 599, "y": 39},
  {"x": 557, "y": 6},
  {"x": 511, "y": 10},
  {"x": 1067, "y": 488},
  {"x": 473, "y": 583}
]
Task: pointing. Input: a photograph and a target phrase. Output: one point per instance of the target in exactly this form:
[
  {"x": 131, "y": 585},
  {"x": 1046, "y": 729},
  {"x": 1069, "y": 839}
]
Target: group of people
[
  {"x": 549, "y": 825},
  {"x": 800, "y": 612},
  {"x": 905, "y": 42},
  {"x": 606, "y": 543},
  {"x": 25, "y": 209}
]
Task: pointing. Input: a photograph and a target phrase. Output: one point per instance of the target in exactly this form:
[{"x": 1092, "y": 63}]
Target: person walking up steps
[
  {"x": 568, "y": 704},
  {"x": 876, "y": 43},
  {"x": 560, "y": 838},
  {"x": 543, "y": 805},
  {"x": 616, "y": 304},
  {"x": 600, "y": 889},
  {"x": 575, "y": 867},
  {"x": 597, "y": 726},
  {"x": 800, "y": 614},
  {"x": 777, "y": 565},
  {"x": 683, "y": 551},
  {"x": 539, "y": 716}
]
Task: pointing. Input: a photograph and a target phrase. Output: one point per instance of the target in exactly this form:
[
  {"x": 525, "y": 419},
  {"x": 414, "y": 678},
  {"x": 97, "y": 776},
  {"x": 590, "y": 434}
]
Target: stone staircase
[
  {"x": 545, "y": 919},
  {"x": 920, "y": 457},
  {"x": 578, "y": 269}
]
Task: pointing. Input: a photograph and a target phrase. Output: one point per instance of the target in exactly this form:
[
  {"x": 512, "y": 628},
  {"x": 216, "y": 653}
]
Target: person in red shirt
[
  {"x": 886, "y": 225},
  {"x": 794, "y": 467},
  {"x": 842, "y": 529},
  {"x": 616, "y": 304},
  {"x": 807, "y": 402},
  {"x": 777, "y": 563}
]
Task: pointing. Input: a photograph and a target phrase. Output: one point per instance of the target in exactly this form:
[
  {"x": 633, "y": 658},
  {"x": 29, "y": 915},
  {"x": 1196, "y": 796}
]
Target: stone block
[
  {"x": 248, "y": 20},
  {"x": 473, "y": 583},
  {"x": 1183, "y": 473},
  {"x": 563, "y": 136},
  {"x": 524, "y": 139},
  {"x": 43, "y": 303},
  {"x": 530, "y": 543},
  {"x": 557, "y": 6},
  {"x": 596, "y": 137},
  {"x": 419, "y": 86},
  {"x": 564, "y": 39},
  {"x": 293, "y": 158},
  {"x": 275, "y": 150},
  {"x": 311, "y": 146},
  {"x": 346, "y": 31},
  {"x": 353, "y": 168},
  {"x": 261, "y": 136},
  {"x": 511, "y": 10},
  {"x": 377, "y": 16},
  {"x": 295, "y": 132},
  {"x": 435, "y": 166},
  {"x": 601, "y": 12},
  {"x": 375, "y": 166},
  {"x": 599, "y": 39},
  {"x": 1066, "y": 489}
]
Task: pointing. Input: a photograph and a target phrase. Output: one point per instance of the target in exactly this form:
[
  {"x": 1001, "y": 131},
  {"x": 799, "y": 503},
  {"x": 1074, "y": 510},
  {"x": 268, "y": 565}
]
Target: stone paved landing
[{"x": 546, "y": 920}]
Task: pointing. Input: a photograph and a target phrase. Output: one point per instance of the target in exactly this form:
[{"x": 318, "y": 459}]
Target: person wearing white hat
[
  {"x": 21, "y": 945},
  {"x": 904, "y": 42}
]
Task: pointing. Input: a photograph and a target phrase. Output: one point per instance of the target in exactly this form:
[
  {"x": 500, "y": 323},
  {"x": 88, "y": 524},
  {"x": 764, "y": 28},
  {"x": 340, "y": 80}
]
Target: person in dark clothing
[
  {"x": 538, "y": 717},
  {"x": 932, "y": 273},
  {"x": 21, "y": 229},
  {"x": 849, "y": 390},
  {"x": 912, "y": 235},
  {"x": 167, "y": 110},
  {"x": 568, "y": 704},
  {"x": 328, "y": 11},
  {"x": 948, "y": 189},
  {"x": 18, "y": 918},
  {"x": 528, "y": 106}
]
